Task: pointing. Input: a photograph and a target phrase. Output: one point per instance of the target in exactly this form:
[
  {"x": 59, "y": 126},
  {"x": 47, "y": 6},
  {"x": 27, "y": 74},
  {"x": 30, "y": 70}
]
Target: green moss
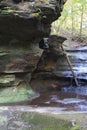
[
  {"x": 7, "y": 79},
  {"x": 9, "y": 10},
  {"x": 44, "y": 2},
  {"x": 6, "y": 10},
  {"x": 2, "y": 53},
  {"x": 12, "y": 94},
  {"x": 76, "y": 127},
  {"x": 43, "y": 122},
  {"x": 36, "y": 13}
]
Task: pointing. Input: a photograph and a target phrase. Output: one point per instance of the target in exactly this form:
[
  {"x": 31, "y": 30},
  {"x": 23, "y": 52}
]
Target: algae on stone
[
  {"x": 6, "y": 80},
  {"x": 43, "y": 122},
  {"x": 14, "y": 94}
]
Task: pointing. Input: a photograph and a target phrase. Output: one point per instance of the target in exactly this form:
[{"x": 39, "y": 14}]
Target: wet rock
[
  {"x": 55, "y": 86},
  {"x": 50, "y": 55},
  {"x": 22, "y": 26},
  {"x": 6, "y": 80},
  {"x": 47, "y": 61},
  {"x": 56, "y": 41},
  {"x": 24, "y": 118},
  {"x": 31, "y": 120},
  {"x": 17, "y": 94},
  {"x": 53, "y": 64}
]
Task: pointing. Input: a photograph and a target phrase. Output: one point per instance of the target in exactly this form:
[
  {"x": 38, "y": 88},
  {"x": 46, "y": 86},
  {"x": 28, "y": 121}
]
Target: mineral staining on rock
[{"x": 22, "y": 26}]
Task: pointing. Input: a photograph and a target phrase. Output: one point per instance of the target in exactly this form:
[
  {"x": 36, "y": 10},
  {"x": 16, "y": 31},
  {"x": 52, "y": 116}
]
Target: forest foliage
[{"x": 73, "y": 18}]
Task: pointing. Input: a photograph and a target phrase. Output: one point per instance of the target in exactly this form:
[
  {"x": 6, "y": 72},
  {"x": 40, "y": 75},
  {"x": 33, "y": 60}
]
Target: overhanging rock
[{"x": 22, "y": 26}]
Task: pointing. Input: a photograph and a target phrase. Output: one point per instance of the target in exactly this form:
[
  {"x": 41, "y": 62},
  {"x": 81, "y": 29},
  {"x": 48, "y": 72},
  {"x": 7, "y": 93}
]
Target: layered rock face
[
  {"x": 27, "y": 21},
  {"x": 22, "y": 25}
]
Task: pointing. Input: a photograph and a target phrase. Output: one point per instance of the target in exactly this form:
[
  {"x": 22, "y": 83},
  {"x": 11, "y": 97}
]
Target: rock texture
[
  {"x": 54, "y": 66},
  {"x": 27, "y": 21},
  {"x": 22, "y": 25}
]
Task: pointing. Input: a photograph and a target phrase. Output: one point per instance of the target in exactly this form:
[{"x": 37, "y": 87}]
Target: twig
[{"x": 70, "y": 65}]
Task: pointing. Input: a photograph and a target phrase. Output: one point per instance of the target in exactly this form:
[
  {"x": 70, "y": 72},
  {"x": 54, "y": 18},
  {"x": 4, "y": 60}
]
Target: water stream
[
  {"x": 70, "y": 98},
  {"x": 70, "y": 101}
]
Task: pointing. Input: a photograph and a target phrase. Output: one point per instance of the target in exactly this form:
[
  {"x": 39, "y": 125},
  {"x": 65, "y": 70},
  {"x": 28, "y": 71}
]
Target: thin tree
[{"x": 83, "y": 2}]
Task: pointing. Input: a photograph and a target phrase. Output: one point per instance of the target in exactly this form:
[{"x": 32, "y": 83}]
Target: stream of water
[{"x": 70, "y": 98}]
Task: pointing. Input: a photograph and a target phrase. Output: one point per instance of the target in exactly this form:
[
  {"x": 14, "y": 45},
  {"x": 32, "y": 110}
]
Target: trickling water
[
  {"x": 78, "y": 90},
  {"x": 78, "y": 58},
  {"x": 67, "y": 100},
  {"x": 70, "y": 97}
]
